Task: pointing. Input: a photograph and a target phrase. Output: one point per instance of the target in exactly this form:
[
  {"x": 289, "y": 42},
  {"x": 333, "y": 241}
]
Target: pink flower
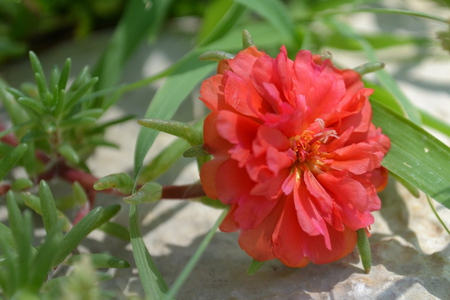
[{"x": 295, "y": 155}]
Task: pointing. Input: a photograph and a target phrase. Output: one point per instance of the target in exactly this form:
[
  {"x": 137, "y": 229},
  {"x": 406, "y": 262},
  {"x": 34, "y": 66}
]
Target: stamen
[{"x": 326, "y": 134}]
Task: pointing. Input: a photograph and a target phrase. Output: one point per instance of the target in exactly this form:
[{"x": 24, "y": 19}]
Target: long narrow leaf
[
  {"x": 152, "y": 281},
  {"x": 77, "y": 234},
  {"x": 11, "y": 159},
  {"x": 137, "y": 23},
  {"x": 43, "y": 259},
  {"x": 166, "y": 101},
  {"x": 276, "y": 13},
  {"x": 415, "y": 155},
  {"x": 48, "y": 207}
]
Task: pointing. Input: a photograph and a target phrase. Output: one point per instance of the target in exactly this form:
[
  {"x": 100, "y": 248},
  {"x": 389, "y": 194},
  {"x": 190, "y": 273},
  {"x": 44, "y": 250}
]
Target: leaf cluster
[{"x": 27, "y": 271}]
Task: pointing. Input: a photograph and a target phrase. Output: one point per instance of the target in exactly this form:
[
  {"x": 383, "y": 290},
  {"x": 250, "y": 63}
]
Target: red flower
[{"x": 295, "y": 155}]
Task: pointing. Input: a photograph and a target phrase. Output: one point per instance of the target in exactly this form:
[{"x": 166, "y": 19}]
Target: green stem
[
  {"x": 195, "y": 258},
  {"x": 437, "y": 215}
]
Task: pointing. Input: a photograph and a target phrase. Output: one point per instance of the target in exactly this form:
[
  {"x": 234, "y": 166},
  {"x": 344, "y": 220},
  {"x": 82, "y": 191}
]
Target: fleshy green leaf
[
  {"x": 415, "y": 155},
  {"x": 11, "y": 159},
  {"x": 181, "y": 130},
  {"x": 72, "y": 98},
  {"x": 149, "y": 192},
  {"x": 21, "y": 184},
  {"x": 48, "y": 207},
  {"x": 69, "y": 153},
  {"x": 105, "y": 215},
  {"x": 34, "y": 104},
  {"x": 364, "y": 249},
  {"x": 64, "y": 74},
  {"x": 115, "y": 230},
  {"x": 77, "y": 234},
  {"x": 254, "y": 266},
  {"x": 37, "y": 67},
  {"x": 120, "y": 181},
  {"x": 43, "y": 260}
]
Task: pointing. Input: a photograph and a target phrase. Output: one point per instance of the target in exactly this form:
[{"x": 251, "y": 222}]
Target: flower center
[{"x": 308, "y": 146}]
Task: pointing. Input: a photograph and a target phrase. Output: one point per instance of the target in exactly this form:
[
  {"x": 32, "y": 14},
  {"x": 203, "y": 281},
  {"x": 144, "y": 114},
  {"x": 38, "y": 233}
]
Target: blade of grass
[
  {"x": 437, "y": 215},
  {"x": 224, "y": 14},
  {"x": 415, "y": 155},
  {"x": 195, "y": 258},
  {"x": 276, "y": 13},
  {"x": 167, "y": 99},
  {"x": 152, "y": 281},
  {"x": 137, "y": 23}
]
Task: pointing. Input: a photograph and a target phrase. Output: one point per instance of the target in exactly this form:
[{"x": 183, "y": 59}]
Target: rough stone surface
[{"x": 409, "y": 246}]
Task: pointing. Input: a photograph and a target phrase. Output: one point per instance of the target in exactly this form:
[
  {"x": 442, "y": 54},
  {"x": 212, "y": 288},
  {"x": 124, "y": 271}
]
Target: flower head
[{"x": 295, "y": 155}]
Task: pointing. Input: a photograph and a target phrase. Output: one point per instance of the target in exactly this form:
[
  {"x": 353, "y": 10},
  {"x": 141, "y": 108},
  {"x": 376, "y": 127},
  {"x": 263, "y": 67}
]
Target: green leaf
[
  {"x": 433, "y": 122},
  {"x": 37, "y": 67},
  {"x": 276, "y": 13},
  {"x": 415, "y": 155},
  {"x": 163, "y": 161},
  {"x": 254, "y": 266},
  {"x": 219, "y": 18},
  {"x": 136, "y": 24},
  {"x": 212, "y": 202},
  {"x": 176, "y": 87},
  {"x": 5, "y": 232},
  {"x": 79, "y": 194},
  {"x": 364, "y": 249},
  {"x": 120, "y": 181},
  {"x": 100, "y": 261},
  {"x": 64, "y": 74},
  {"x": 69, "y": 153},
  {"x": 42, "y": 90},
  {"x": 48, "y": 207},
  {"x": 77, "y": 234},
  {"x": 16, "y": 112},
  {"x": 43, "y": 260},
  {"x": 149, "y": 192},
  {"x": 34, "y": 104},
  {"x": 181, "y": 130},
  {"x": 73, "y": 97},
  {"x": 437, "y": 215},
  {"x": 34, "y": 203},
  {"x": 21, "y": 184},
  {"x": 71, "y": 122},
  {"x": 11, "y": 159},
  {"x": 9, "y": 278},
  {"x": 106, "y": 214},
  {"x": 115, "y": 230},
  {"x": 152, "y": 281}
]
